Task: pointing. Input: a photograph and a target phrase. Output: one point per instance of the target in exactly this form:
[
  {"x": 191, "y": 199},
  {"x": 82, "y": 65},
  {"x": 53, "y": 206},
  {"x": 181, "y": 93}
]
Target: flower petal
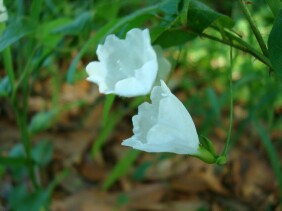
[
  {"x": 164, "y": 65},
  {"x": 164, "y": 126},
  {"x": 127, "y": 67},
  {"x": 3, "y": 12},
  {"x": 140, "y": 84},
  {"x": 97, "y": 73}
]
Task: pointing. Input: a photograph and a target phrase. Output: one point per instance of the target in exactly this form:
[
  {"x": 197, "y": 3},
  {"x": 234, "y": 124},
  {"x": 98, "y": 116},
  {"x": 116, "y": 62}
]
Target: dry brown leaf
[
  {"x": 92, "y": 170},
  {"x": 167, "y": 168},
  {"x": 69, "y": 146},
  {"x": 200, "y": 177},
  {"x": 78, "y": 91},
  {"x": 190, "y": 205},
  {"x": 145, "y": 196},
  {"x": 142, "y": 197},
  {"x": 85, "y": 200}
]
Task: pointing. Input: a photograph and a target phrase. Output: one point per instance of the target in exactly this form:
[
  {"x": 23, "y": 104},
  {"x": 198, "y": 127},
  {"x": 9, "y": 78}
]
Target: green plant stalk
[
  {"x": 21, "y": 113},
  {"x": 21, "y": 109},
  {"x": 231, "y": 44},
  {"x": 253, "y": 27},
  {"x": 224, "y": 153},
  {"x": 27, "y": 146},
  {"x": 35, "y": 10},
  {"x": 260, "y": 56},
  {"x": 107, "y": 107},
  {"x": 7, "y": 57},
  {"x": 24, "y": 130},
  {"x": 112, "y": 120},
  {"x": 244, "y": 46},
  {"x": 20, "y": 116},
  {"x": 22, "y": 120}
]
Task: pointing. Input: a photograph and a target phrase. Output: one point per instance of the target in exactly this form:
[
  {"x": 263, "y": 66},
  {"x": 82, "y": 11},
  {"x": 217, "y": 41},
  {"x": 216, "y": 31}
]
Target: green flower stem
[
  {"x": 205, "y": 155},
  {"x": 257, "y": 54},
  {"x": 224, "y": 153},
  {"x": 253, "y": 27}
]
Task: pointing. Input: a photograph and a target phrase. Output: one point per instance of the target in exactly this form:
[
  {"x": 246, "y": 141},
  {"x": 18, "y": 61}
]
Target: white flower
[
  {"x": 3, "y": 12},
  {"x": 164, "y": 66},
  {"x": 164, "y": 126},
  {"x": 126, "y": 67}
]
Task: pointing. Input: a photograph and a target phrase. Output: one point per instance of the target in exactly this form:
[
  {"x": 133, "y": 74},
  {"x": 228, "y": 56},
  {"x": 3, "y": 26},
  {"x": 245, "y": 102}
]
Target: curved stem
[
  {"x": 253, "y": 27},
  {"x": 231, "y": 108},
  {"x": 255, "y": 53},
  {"x": 244, "y": 46}
]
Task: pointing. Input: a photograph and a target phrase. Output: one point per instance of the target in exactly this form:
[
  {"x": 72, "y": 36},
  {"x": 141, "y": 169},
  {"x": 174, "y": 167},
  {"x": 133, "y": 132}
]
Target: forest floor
[{"x": 246, "y": 182}]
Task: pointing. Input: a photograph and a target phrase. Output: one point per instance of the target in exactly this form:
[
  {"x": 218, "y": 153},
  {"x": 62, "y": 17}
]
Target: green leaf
[
  {"x": 272, "y": 153},
  {"x": 205, "y": 155},
  {"x": 15, "y": 31},
  {"x": 17, "y": 151},
  {"x": 107, "y": 10},
  {"x": 5, "y": 87},
  {"x": 107, "y": 107},
  {"x": 275, "y": 45},
  {"x": 42, "y": 153},
  {"x": 18, "y": 171},
  {"x": 13, "y": 161},
  {"x": 35, "y": 9},
  {"x": 184, "y": 12},
  {"x": 275, "y": 6},
  {"x": 200, "y": 16},
  {"x": 77, "y": 25},
  {"x": 169, "y": 7},
  {"x": 21, "y": 199},
  {"x": 42, "y": 121},
  {"x": 113, "y": 120},
  {"x": 121, "y": 168},
  {"x": 173, "y": 38},
  {"x": 141, "y": 170},
  {"x": 46, "y": 32},
  {"x": 208, "y": 145}
]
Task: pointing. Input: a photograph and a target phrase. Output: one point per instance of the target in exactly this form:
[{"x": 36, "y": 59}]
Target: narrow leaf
[
  {"x": 42, "y": 121},
  {"x": 15, "y": 31},
  {"x": 275, "y": 45},
  {"x": 13, "y": 161},
  {"x": 272, "y": 154},
  {"x": 107, "y": 107}
]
